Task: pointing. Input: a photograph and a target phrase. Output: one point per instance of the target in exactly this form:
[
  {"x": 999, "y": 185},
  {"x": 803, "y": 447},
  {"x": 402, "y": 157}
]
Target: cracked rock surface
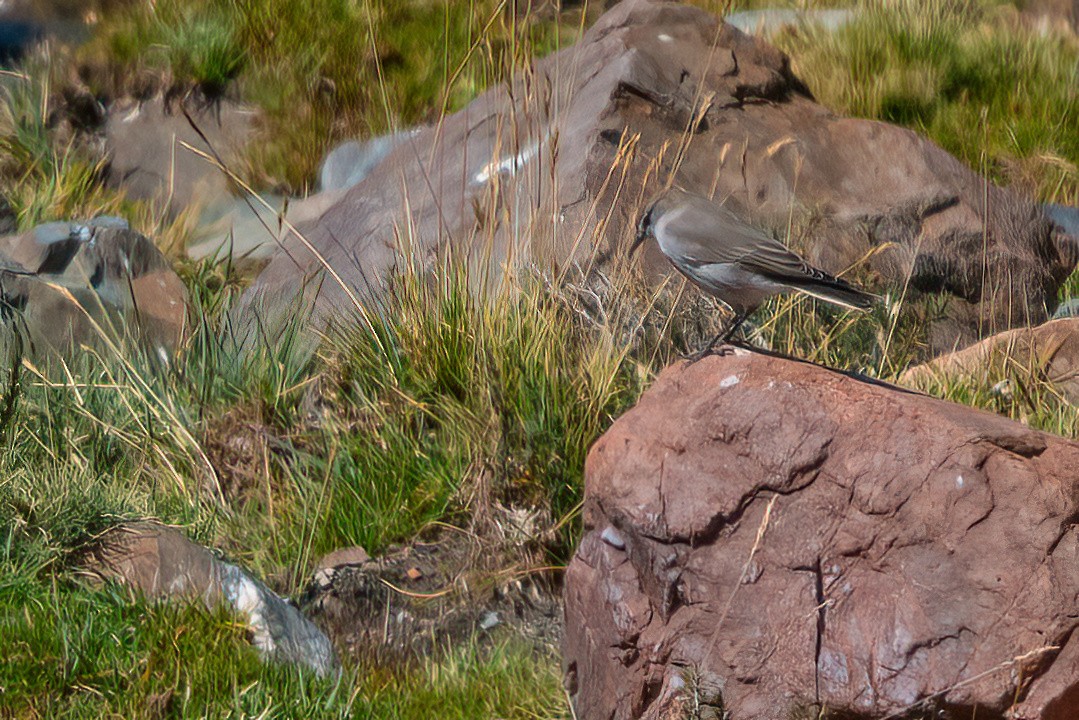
[
  {"x": 551, "y": 168},
  {"x": 766, "y": 537}
]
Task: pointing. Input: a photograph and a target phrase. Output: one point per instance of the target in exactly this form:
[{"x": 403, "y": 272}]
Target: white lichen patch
[
  {"x": 510, "y": 164},
  {"x": 247, "y": 599},
  {"x": 613, "y": 538}
]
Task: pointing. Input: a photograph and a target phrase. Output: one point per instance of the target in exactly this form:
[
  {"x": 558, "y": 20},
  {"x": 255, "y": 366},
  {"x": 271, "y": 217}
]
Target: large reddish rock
[
  {"x": 553, "y": 166},
  {"x": 768, "y": 537},
  {"x": 1048, "y": 352}
]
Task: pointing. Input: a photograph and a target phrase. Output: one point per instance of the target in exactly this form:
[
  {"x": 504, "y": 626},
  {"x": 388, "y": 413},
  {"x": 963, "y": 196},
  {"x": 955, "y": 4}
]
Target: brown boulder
[
  {"x": 160, "y": 563},
  {"x": 148, "y": 146},
  {"x": 769, "y": 537},
  {"x": 552, "y": 167},
  {"x": 1052, "y": 14},
  {"x": 1049, "y": 352},
  {"x": 64, "y": 285}
]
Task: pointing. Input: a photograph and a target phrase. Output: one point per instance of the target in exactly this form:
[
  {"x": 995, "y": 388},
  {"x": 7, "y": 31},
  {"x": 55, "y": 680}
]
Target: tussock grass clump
[
  {"x": 455, "y": 399},
  {"x": 47, "y": 175},
  {"x": 40, "y": 180},
  {"x": 204, "y": 51},
  {"x": 999, "y": 95},
  {"x": 462, "y": 400}
]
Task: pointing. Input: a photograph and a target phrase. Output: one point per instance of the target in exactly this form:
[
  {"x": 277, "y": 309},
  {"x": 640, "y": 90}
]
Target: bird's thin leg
[
  {"x": 736, "y": 323},
  {"x": 721, "y": 337},
  {"x": 707, "y": 348}
]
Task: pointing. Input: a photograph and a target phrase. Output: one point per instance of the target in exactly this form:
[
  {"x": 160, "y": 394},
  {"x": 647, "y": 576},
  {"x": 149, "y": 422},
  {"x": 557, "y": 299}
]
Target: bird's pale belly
[{"x": 742, "y": 290}]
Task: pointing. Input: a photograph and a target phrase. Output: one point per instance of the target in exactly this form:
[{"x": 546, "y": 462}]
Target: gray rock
[
  {"x": 1067, "y": 309},
  {"x": 1064, "y": 217},
  {"x": 64, "y": 284},
  {"x": 161, "y": 563},
  {"x": 249, "y": 233},
  {"x": 509, "y": 181},
  {"x": 109, "y": 221},
  {"x": 24, "y": 23},
  {"x": 278, "y": 629},
  {"x": 352, "y": 161},
  {"x": 768, "y": 21},
  {"x": 354, "y": 555},
  {"x": 146, "y": 146}
]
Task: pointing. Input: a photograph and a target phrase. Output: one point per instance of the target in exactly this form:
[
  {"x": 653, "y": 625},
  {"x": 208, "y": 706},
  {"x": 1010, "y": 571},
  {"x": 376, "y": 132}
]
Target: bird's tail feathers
[{"x": 840, "y": 293}]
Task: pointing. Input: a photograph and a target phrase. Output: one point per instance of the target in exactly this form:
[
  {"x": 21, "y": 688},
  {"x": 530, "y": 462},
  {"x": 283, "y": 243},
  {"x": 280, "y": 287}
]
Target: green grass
[
  {"x": 107, "y": 440},
  {"x": 319, "y": 70},
  {"x": 40, "y": 180},
  {"x": 442, "y": 407},
  {"x": 442, "y": 403},
  {"x": 441, "y": 397},
  {"x": 121, "y": 657},
  {"x": 969, "y": 75},
  {"x": 204, "y": 51},
  {"x": 47, "y": 175}
]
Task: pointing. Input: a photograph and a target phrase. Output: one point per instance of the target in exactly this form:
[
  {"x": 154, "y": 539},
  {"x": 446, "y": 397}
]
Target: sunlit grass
[
  {"x": 443, "y": 400},
  {"x": 76, "y": 652},
  {"x": 1002, "y": 97},
  {"x": 320, "y": 71}
]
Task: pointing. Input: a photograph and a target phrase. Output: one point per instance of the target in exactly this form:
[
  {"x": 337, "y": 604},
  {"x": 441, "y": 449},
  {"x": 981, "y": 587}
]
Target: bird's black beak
[{"x": 641, "y": 235}]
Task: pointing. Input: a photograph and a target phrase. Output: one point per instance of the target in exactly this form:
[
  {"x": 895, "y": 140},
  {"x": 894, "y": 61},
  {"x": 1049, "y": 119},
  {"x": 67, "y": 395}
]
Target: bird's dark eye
[{"x": 646, "y": 221}]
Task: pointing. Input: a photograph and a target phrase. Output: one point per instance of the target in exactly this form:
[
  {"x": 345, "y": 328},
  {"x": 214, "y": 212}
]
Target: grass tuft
[{"x": 999, "y": 95}]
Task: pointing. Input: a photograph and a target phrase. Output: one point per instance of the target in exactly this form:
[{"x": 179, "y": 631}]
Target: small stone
[
  {"x": 414, "y": 573},
  {"x": 613, "y": 538},
  {"x": 354, "y": 555},
  {"x": 1003, "y": 389}
]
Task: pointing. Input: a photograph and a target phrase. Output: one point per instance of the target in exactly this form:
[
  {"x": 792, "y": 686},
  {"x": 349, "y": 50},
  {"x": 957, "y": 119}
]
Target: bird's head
[{"x": 645, "y": 228}]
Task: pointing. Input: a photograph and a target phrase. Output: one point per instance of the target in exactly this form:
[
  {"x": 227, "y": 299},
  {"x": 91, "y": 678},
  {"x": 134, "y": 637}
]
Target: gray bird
[{"x": 738, "y": 264}]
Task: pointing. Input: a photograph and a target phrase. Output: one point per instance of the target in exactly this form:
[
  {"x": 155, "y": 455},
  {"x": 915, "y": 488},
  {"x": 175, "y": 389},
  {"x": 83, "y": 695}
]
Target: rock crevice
[{"x": 930, "y": 561}]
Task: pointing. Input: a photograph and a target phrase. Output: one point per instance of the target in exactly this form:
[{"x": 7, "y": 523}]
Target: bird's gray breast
[
  {"x": 742, "y": 289},
  {"x": 699, "y": 240}
]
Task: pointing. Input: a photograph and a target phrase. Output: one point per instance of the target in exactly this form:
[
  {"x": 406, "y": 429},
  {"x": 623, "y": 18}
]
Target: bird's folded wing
[{"x": 707, "y": 234}]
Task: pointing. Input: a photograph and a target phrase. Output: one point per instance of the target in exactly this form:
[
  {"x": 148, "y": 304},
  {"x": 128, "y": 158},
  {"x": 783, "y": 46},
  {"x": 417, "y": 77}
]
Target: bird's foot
[{"x": 723, "y": 350}]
